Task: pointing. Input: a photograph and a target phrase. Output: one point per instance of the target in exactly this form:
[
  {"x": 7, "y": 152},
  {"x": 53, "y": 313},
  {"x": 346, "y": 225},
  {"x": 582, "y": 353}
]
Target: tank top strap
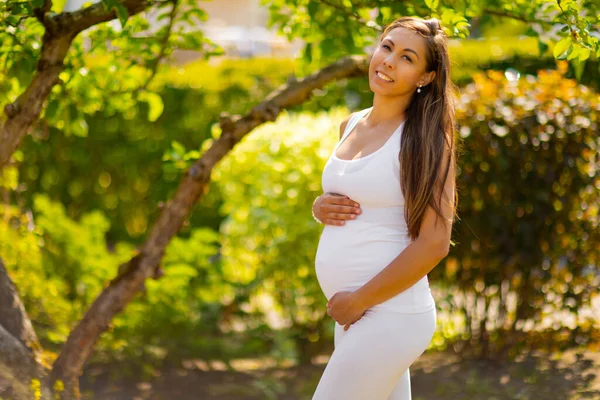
[{"x": 352, "y": 122}]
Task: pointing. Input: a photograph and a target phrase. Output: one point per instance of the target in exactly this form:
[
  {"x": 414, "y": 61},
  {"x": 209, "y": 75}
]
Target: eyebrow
[{"x": 409, "y": 50}]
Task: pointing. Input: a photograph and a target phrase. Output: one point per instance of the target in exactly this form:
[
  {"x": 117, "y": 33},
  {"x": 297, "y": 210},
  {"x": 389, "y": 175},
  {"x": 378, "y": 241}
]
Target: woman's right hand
[{"x": 335, "y": 209}]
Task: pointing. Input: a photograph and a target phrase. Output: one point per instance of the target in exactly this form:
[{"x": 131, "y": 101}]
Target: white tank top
[{"x": 349, "y": 256}]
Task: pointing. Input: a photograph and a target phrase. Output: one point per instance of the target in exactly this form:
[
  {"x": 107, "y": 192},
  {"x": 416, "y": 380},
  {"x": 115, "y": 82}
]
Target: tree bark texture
[{"x": 19, "y": 346}]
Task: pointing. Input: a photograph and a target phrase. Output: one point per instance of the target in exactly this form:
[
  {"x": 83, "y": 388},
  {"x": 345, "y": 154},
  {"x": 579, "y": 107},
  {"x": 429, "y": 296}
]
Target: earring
[{"x": 419, "y": 89}]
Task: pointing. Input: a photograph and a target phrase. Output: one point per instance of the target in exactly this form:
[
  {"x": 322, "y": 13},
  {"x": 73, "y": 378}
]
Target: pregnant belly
[{"x": 349, "y": 256}]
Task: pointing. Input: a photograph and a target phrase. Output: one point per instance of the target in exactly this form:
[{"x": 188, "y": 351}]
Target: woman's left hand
[{"x": 344, "y": 309}]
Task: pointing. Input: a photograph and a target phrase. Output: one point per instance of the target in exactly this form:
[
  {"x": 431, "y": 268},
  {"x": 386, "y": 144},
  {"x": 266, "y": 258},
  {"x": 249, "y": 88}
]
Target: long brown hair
[{"x": 429, "y": 129}]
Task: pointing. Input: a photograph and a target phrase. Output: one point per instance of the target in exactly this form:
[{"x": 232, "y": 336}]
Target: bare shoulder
[{"x": 344, "y": 124}]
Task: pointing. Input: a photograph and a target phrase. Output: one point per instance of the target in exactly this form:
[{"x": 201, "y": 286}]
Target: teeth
[{"x": 385, "y": 78}]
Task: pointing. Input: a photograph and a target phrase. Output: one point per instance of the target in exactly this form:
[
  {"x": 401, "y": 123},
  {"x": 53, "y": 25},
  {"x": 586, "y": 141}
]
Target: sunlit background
[{"x": 239, "y": 313}]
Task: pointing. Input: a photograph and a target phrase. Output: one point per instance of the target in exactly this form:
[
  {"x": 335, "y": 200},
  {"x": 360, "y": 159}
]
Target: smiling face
[{"x": 399, "y": 64}]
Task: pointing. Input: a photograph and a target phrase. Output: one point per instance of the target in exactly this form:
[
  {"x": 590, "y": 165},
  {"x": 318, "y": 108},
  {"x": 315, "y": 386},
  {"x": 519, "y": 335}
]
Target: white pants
[{"x": 371, "y": 358}]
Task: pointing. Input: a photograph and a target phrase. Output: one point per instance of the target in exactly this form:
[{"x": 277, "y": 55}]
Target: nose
[{"x": 388, "y": 63}]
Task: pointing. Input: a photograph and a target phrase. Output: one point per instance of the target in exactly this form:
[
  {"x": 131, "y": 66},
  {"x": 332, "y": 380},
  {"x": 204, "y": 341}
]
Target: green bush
[
  {"x": 60, "y": 265},
  {"x": 529, "y": 241},
  {"x": 268, "y": 183}
]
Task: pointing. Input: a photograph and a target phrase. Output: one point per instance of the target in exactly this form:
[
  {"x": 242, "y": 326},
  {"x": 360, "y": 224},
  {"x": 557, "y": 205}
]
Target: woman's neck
[{"x": 387, "y": 110}]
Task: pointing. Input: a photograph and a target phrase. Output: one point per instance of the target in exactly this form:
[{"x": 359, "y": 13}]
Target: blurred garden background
[{"x": 146, "y": 273}]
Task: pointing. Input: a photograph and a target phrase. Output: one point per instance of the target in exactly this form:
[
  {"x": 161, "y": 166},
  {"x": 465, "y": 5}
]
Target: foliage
[
  {"x": 59, "y": 266},
  {"x": 128, "y": 165},
  {"x": 268, "y": 236},
  {"x": 528, "y": 241},
  {"x": 135, "y": 48},
  {"x": 348, "y": 26},
  {"x": 185, "y": 307}
]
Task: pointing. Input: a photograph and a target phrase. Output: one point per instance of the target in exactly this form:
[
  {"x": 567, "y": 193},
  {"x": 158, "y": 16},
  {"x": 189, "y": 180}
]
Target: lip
[{"x": 384, "y": 74}]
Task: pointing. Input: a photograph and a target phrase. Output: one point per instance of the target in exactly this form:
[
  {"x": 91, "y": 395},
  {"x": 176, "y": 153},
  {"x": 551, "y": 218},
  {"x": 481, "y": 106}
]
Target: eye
[
  {"x": 385, "y": 46},
  {"x": 408, "y": 59}
]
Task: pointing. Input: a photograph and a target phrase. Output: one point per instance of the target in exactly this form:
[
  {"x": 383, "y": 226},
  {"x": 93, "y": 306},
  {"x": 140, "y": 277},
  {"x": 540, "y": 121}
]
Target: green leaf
[
  {"x": 307, "y": 56},
  {"x": 155, "y": 105},
  {"x": 59, "y": 5},
  {"x": 573, "y": 52},
  {"x": 78, "y": 127},
  {"x": 542, "y": 47},
  {"x": 312, "y": 8},
  {"x": 432, "y": 4},
  {"x": 584, "y": 54},
  {"x": 579, "y": 67},
  {"x": 561, "y": 47},
  {"x": 199, "y": 13},
  {"x": 121, "y": 11}
]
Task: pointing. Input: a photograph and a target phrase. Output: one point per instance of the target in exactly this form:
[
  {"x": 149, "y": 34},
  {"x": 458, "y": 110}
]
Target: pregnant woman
[{"x": 388, "y": 208}]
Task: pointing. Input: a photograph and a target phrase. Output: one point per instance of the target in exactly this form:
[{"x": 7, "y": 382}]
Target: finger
[
  {"x": 337, "y": 208},
  {"x": 330, "y": 221},
  {"x": 341, "y": 216},
  {"x": 337, "y": 219},
  {"x": 333, "y": 198},
  {"x": 343, "y": 201},
  {"x": 329, "y": 210},
  {"x": 348, "y": 210},
  {"x": 330, "y": 301}
]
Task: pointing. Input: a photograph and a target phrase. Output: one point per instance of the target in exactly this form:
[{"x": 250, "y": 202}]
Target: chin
[{"x": 377, "y": 89}]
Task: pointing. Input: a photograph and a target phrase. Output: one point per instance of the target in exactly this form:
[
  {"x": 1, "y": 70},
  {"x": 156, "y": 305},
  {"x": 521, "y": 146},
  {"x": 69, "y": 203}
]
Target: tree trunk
[
  {"x": 13, "y": 316},
  {"x": 19, "y": 346}
]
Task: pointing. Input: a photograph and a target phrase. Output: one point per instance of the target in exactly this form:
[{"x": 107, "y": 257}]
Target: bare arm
[{"x": 419, "y": 257}]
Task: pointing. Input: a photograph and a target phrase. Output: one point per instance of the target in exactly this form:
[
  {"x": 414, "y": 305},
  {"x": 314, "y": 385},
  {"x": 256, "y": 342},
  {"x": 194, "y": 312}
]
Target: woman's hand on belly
[
  {"x": 344, "y": 309},
  {"x": 335, "y": 209}
]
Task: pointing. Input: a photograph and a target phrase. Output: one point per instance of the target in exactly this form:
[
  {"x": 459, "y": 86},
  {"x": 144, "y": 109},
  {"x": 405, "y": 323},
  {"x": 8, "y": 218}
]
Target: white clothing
[
  {"x": 371, "y": 359},
  {"x": 348, "y": 256}
]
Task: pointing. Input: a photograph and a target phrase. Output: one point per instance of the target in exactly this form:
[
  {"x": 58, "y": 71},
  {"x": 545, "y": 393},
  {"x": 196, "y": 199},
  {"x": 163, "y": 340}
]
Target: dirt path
[{"x": 435, "y": 376}]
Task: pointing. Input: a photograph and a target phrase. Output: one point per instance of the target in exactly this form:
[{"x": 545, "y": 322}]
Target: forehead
[{"x": 406, "y": 38}]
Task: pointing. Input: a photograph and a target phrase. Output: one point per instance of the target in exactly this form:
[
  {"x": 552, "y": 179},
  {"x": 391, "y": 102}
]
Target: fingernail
[{"x": 352, "y": 216}]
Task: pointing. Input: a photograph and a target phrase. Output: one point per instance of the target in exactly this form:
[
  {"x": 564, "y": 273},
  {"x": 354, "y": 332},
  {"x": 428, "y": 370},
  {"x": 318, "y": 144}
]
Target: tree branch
[
  {"x": 25, "y": 111},
  {"x": 61, "y": 29},
  {"x": 13, "y": 316},
  {"x": 82, "y": 19},
  {"x": 41, "y": 11},
  {"x": 17, "y": 369},
  {"x": 194, "y": 184},
  {"x": 506, "y": 14},
  {"x": 164, "y": 42}
]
